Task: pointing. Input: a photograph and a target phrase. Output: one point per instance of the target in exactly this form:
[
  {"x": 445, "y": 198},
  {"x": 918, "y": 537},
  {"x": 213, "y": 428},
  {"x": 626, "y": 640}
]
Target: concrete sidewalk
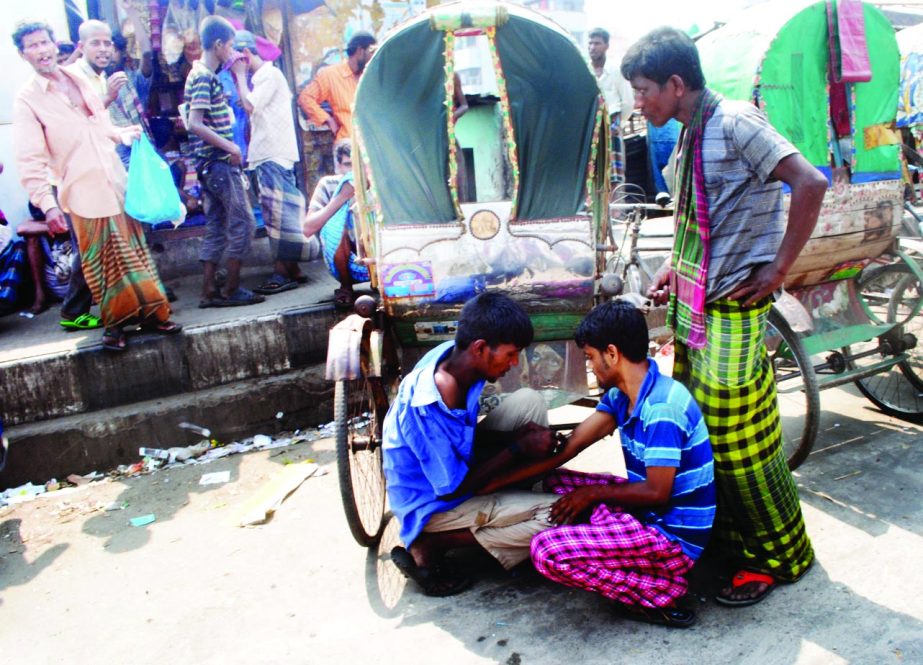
[{"x": 68, "y": 405}]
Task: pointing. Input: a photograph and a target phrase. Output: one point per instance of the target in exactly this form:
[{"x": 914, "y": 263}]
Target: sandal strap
[{"x": 748, "y": 576}]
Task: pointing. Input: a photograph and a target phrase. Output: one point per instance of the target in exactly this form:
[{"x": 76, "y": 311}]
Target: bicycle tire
[
  {"x": 799, "y": 407},
  {"x": 891, "y": 294},
  {"x": 359, "y": 459}
]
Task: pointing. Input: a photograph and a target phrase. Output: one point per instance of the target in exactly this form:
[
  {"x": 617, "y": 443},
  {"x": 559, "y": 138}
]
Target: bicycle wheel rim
[{"x": 359, "y": 460}]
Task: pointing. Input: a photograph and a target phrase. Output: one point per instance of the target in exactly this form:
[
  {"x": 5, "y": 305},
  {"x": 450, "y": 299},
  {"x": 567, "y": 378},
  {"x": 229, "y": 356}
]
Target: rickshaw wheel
[
  {"x": 796, "y": 389},
  {"x": 359, "y": 460},
  {"x": 892, "y": 294}
]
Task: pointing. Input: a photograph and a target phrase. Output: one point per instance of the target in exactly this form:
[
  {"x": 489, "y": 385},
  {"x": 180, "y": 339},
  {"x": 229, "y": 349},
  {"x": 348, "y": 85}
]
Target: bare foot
[{"x": 39, "y": 306}]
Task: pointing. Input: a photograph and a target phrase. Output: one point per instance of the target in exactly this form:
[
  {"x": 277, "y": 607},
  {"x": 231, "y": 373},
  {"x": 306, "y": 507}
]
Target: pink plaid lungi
[{"x": 614, "y": 555}]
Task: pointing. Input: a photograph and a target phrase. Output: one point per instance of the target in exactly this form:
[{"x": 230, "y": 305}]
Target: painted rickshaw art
[
  {"x": 529, "y": 222},
  {"x": 827, "y": 76}
]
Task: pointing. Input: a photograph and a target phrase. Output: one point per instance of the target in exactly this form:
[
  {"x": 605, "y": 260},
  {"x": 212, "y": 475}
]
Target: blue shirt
[
  {"x": 426, "y": 445},
  {"x": 666, "y": 428}
]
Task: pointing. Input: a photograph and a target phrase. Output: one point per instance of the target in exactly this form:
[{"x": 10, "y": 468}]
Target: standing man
[
  {"x": 437, "y": 455},
  {"x": 617, "y": 93},
  {"x": 62, "y": 128},
  {"x": 732, "y": 250},
  {"x": 336, "y": 85},
  {"x": 229, "y": 221},
  {"x": 273, "y": 152}
]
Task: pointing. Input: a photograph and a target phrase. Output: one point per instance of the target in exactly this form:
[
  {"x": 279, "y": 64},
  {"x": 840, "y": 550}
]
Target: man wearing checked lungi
[
  {"x": 732, "y": 250},
  {"x": 632, "y": 540}
]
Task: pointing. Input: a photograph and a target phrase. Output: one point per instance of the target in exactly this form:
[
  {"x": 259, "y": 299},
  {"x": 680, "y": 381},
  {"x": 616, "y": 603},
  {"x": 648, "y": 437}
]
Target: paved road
[{"x": 78, "y": 584}]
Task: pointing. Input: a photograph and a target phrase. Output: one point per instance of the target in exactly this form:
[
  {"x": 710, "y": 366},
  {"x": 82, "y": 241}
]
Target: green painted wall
[{"x": 479, "y": 129}]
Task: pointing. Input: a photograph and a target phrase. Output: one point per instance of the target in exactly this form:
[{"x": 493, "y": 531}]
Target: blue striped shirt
[{"x": 666, "y": 428}]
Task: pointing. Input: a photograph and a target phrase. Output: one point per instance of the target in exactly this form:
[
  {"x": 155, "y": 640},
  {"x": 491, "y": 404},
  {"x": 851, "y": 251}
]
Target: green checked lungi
[{"x": 759, "y": 522}]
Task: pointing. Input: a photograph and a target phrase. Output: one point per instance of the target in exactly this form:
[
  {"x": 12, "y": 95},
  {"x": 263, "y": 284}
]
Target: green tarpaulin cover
[{"x": 778, "y": 52}]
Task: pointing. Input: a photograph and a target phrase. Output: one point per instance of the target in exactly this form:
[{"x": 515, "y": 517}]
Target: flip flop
[
  {"x": 212, "y": 301},
  {"x": 81, "y": 322},
  {"x": 671, "y": 617},
  {"x": 161, "y": 328},
  {"x": 276, "y": 284},
  {"x": 438, "y": 581},
  {"x": 242, "y": 297},
  {"x": 115, "y": 340},
  {"x": 343, "y": 299},
  {"x": 743, "y": 578}
]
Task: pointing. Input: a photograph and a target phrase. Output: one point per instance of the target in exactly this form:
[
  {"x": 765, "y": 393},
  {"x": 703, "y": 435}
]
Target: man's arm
[
  {"x": 654, "y": 490},
  {"x": 197, "y": 126},
  {"x": 808, "y": 186},
  {"x": 239, "y": 73},
  {"x": 309, "y": 101},
  {"x": 33, "y": 159},
  {"x": 588, "y": 432},
  {"x": 266, "y": 89},
  {"x": 314, "y": 221}
]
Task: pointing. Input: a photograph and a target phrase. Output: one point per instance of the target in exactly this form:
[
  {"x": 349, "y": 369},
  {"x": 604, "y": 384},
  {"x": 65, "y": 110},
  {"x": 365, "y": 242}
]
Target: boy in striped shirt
[{"x": 632, "y": 540}]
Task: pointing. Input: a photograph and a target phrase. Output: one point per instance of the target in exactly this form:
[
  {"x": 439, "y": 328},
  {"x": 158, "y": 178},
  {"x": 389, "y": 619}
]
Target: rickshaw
[
  {"x": 529, "y": 217},
  {"x": 827, "y": 75}
]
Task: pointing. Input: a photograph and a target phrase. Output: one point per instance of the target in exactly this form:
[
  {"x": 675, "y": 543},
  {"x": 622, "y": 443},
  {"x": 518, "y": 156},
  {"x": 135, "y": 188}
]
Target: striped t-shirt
[
  {"x": 204, "y": 92},
  {"x": 666, "y": 428},
  {"x": 740, "y": 150}
]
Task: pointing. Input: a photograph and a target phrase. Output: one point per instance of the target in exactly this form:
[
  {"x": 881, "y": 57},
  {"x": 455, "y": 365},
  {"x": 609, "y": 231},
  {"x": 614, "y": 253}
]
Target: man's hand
[
  {"x": 333, "y": 125},
  {"x": 129, "y": 135},
  {"x": 56, "y": 221},
  {"x": 570, "y": 506},
  {"x": 115, "y": 83},
  {"x": 248, "y": 107},
  {"x": 535, "y": 442},
  {"x": 237, "y": 157},
  {"x": 760, "y": 284},
  {"x": 659, "y": 290}
]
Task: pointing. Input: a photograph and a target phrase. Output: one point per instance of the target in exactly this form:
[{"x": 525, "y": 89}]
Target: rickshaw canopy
[
  {"x": 403, "y": 102},
  {"x": 778, "y": 54}
]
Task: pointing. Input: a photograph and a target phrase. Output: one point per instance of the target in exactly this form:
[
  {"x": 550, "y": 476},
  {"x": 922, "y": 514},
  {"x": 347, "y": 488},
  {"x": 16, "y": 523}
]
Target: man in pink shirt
[{"x": 63, "y": 129}]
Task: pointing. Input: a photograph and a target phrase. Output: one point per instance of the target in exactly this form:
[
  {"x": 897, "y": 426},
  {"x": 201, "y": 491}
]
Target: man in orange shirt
[{"x": 336, "y": 85}]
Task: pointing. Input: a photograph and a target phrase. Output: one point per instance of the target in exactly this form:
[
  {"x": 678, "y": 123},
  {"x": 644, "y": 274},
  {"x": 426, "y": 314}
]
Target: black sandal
[
  {"x": 438, "y": 580},
  {"x": 114, "y": 340},
  {"x": 671, "y": 617}
]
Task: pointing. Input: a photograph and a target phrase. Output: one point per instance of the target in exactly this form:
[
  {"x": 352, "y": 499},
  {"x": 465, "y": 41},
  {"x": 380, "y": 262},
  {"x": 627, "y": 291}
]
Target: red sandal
[{"x": 743, "y": 578}]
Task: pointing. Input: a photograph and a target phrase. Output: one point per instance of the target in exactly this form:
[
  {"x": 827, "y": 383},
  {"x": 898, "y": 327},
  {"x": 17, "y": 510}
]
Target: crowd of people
[{"x": 81, "y": 247}]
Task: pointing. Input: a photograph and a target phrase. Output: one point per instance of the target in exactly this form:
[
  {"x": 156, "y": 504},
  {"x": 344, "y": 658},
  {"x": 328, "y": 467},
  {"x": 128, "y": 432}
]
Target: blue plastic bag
[{"x": 151, "y": 196}]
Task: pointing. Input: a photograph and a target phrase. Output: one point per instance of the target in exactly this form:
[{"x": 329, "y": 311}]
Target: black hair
[
  {"x": 342, "y": 149},
  {"x": 360, "y": 40},
  {"x": 602, "y": 33},
  {"x": 497, "y": 319},
  {"x": 662, "y": 53},
  {"x": 66, "y": 48},
  {"x": 618, "y": 323},
  {"x": 119, "y": 42},
  {"x": 24, "y": 28},
  {"x": 215, "y": 29}
]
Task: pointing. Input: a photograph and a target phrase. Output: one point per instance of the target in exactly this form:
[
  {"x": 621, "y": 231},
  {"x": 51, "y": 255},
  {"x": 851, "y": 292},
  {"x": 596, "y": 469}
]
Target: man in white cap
[{"x": 272, "y": 154}]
